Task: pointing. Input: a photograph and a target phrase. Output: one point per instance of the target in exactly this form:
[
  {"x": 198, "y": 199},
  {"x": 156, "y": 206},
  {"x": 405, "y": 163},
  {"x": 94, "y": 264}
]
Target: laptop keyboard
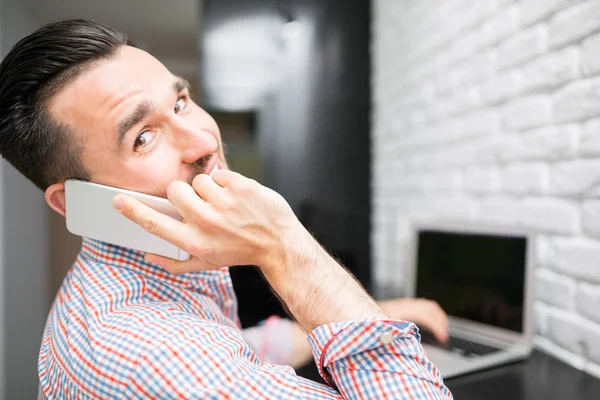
[{"x": 463, "y": 347}]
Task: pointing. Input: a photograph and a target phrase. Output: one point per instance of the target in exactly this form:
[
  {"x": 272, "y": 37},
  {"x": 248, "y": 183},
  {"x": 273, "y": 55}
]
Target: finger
[
  {"x": 438, "y": 329},
  {"x": 206, "y": 188},
  {"x": 193, "y": 264},
  {"x": 186, "y": 200},
  {"x": 151, "y": 220},
  {"x": 438, "y": 324},
  {"x": 225, "y": 178}
]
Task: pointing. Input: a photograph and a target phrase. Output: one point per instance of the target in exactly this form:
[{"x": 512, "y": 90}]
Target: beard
[{"x": 200, "y": 166}]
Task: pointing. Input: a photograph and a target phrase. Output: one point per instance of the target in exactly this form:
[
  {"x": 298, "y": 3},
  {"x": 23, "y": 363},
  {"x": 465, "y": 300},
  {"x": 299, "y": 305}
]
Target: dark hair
[{"x": 34, "y": 70}]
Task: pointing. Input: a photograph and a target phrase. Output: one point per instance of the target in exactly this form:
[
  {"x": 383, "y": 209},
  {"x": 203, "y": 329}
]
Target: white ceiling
[{"x": 165, "y": 28}]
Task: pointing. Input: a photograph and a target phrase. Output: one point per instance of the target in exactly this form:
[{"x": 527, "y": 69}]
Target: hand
[
  {"x": 232, "y": 220},
  {"x": 424, "y": 313},
  {"x": 229, "y": 220}
]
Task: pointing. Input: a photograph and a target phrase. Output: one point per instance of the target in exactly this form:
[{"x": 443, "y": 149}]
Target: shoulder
[{"x": 103, "y": 356}]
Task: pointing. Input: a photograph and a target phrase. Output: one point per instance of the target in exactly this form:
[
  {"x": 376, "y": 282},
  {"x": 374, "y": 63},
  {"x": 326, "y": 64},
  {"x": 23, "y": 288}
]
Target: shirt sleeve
[
  {"x": 382, "y": 357},
  {"x": 369, "y": 359},
  {"x": 272, "y": 340}
]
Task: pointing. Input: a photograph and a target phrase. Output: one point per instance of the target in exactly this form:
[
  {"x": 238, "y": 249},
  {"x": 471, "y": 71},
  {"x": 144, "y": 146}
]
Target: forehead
[{"x": 97, "y": 97}]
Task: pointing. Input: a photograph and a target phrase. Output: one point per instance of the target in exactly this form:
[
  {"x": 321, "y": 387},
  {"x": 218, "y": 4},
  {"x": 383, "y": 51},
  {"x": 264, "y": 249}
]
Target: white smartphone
[{"x": 90, "y": 213}]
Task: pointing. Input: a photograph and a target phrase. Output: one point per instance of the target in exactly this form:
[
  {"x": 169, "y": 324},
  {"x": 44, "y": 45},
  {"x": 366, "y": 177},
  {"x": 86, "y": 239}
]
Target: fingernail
[{"x": 117, "y": 203}]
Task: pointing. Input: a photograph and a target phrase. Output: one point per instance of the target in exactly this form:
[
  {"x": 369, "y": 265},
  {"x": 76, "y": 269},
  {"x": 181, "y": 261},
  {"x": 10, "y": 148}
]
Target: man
[{"x": 78, "y": 101}]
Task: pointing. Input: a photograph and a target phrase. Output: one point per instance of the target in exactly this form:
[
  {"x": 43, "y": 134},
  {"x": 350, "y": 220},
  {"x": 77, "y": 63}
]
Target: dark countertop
[{"x": 539, "y": 377}]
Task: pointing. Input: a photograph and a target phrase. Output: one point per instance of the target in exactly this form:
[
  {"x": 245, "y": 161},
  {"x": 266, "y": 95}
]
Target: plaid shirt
[{"x": 123, "y": 328}]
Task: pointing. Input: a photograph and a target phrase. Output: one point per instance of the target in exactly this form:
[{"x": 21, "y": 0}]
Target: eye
[
  {"x": 143, "y": 139},
  {"x": 180, "y": 104}
]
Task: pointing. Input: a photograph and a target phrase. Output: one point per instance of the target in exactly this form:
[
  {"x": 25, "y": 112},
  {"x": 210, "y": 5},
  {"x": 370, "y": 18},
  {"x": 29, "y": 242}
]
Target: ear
[{"x": 55, "y": 197}]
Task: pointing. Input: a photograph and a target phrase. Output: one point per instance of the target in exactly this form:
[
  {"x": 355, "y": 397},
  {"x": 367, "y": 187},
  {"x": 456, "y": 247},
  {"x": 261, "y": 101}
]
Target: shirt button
[
  {"x": 228, "y": 303},
  {"x": 386, "y": 338}
]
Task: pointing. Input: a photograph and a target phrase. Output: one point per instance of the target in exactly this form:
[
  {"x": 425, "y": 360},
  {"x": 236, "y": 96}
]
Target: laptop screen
[{"x": 477, "y": 277}]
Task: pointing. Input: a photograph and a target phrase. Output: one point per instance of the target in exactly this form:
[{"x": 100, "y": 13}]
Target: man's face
[{"x": 138, "y": 127}]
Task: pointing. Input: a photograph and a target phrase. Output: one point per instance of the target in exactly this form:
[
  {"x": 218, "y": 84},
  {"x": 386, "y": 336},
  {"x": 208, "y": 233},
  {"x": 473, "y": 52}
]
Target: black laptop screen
[{"x": 473, "y": 276}]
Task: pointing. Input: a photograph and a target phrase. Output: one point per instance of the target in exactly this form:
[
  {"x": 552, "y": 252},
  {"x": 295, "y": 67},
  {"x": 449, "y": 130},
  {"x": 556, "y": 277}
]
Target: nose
[{"x": 192, "y": 141}]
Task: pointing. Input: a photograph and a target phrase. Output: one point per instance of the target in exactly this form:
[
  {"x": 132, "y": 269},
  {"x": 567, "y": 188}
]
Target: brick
[
  {"x": 577, "y": 258},
  {"x": 540, "y": 318},
  {"x": 469, "y": 13},
  {"x": 458, "y": 50},
  {"x": 490, "y": 150},
  {"x": 462, "y": 101},
  {"x": 544, "y": 250},
  {"x": 590, "y": 217},
  {"x": 504, "y": 3},
  {"x": 536, "y": 10},
  {"x": 551, "y": 71},
  {"x": 412, "y": 184},
  {"x": 500, "y": 26},
  {"x": 526, "y": 113},
  {"x": 550, "y": 143},
  {"x": 442, "y": 207},
  {"x": 555, "y": 289},
  {"x": 552, "y": 216},
  {"x": 500, "y": 211},
  {"x": 577, "y": 101},
  {"x": 590, "y": 138},
  {"x": 483, "y": 122},
  {"x": 588, "y": 301},
  {"x": 523, "y": 47},
  {"x": 575, "y": 178},
  {"x": 590, "y": 56},
  {"x": 482, "y": 181},
  {"x": 474, "y": 69},
  {"x": 524, "y": 179},
  {"x": 575, "y": 334},
  {"x": 445, "y": 183},
  {"x": 509, "y": 148},
  {"x": 502, "y": 87},
  {"x": 574, "y": 23}
]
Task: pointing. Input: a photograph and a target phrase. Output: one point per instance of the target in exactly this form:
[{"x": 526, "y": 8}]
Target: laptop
[{"x": 482, "y": 278}]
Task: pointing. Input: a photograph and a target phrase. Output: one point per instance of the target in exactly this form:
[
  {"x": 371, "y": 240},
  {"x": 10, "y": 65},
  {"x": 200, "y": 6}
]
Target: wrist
[{"x": 288, "y": 249}]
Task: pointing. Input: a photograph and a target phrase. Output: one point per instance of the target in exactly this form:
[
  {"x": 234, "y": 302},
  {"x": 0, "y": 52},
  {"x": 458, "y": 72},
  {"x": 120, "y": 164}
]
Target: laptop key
[{"x": 460, "y": 346}]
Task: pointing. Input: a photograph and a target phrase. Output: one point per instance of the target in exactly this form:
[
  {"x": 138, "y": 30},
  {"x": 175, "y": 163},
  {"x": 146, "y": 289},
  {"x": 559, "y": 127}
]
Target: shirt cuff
[
  {"x": 338, "y": 340},
  {"x": 271, "y": 340}
]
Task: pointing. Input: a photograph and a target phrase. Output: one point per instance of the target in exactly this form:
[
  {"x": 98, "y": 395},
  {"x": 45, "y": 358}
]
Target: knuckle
[
  {"x": 245, "y": 186},
  {"x": 209, "y": 219},
  {"x": 128, "y": 212},
  {"x": 197, "y": 249},
  {"x": 150, "y": 225},
  {"x": 226, "y": 203}
]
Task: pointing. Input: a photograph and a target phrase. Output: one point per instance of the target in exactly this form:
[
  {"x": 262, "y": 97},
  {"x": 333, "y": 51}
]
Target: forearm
[{"x": 313, "y": 286}]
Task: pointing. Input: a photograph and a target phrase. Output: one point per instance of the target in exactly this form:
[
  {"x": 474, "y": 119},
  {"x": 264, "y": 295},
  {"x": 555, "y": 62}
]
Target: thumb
[{"x": 193, "y": 264}]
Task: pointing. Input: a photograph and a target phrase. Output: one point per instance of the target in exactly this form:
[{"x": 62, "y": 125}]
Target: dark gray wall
[
  {"x": 314, "y": 128},
  {"x": 24, "y": 259},
  {"x": 321, "y": 157}
]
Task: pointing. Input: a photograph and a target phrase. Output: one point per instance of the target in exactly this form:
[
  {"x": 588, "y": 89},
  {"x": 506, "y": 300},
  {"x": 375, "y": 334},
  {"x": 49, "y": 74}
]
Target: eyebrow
[{"x": 142, "y": 111}]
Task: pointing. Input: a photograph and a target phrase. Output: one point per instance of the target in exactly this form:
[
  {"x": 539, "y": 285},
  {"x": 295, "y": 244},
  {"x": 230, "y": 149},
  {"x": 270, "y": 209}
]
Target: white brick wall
[{"x": 489, "y": 111}]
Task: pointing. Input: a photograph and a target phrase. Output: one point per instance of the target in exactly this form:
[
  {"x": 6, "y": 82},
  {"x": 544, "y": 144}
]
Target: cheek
[{"x": 152, "y": 174}]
